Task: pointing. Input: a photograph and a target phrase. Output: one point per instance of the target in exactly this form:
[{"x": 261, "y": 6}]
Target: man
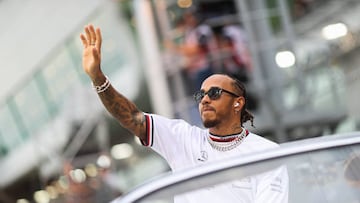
[{"x": 222, "y": 108}]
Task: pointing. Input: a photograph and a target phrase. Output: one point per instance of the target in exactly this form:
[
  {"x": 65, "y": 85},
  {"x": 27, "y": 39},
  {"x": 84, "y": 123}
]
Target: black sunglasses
[{"x": 213, "y": 93}]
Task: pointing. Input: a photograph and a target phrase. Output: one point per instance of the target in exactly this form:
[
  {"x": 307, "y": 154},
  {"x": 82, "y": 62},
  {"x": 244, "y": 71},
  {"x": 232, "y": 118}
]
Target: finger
[
  {"x": 83, "y": 40},
  {"x": 92, "y": 35},
  {"x": 87, "y": 32},
  {"x": 98, "y": 39}
]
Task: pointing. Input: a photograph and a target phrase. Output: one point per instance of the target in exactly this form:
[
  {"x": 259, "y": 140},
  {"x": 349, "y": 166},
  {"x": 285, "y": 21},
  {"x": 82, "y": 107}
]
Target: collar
[{"x": 226, "y": 138}]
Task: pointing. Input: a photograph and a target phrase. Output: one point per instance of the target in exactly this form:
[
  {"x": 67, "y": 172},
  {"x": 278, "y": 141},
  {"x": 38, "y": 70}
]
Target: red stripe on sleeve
[{"x": 147, "y": 142}]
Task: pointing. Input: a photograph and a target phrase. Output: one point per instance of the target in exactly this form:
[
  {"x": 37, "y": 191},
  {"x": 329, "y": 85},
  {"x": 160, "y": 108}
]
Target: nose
[{"x": 205, "y": 100}]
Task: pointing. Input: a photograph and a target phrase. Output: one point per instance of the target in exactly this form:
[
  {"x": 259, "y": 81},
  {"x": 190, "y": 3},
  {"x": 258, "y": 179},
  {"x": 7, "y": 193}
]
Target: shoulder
[
  {"x": 165, "y": 120},
  {"x": 172, "y": 124},
  {"x": 260, "y": 141}
]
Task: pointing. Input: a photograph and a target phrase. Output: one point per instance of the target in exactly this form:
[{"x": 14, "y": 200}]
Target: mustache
[{"x": 207, "y": 107}]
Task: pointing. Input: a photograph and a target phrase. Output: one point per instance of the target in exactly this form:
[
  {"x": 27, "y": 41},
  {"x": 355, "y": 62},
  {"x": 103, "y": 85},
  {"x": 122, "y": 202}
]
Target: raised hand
[{"x": 91, "y": 58}]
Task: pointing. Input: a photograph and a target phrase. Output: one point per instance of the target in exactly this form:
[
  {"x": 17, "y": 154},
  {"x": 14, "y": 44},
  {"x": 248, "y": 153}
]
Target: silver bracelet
[{"x": 103, "y": 87}]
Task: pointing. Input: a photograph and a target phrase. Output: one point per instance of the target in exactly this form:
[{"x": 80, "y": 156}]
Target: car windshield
[{"x": 325, "y": 169}]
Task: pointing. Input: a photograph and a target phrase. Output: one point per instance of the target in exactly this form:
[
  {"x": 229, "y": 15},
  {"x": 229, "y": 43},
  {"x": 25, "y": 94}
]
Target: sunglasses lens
[
  {"x": 214, "y": 93},
  {"x": 198, "y": 96}
]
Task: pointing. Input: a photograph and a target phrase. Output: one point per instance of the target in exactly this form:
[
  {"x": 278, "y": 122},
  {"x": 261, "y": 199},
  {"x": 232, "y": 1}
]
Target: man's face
[{"x": 216, "y": 111}]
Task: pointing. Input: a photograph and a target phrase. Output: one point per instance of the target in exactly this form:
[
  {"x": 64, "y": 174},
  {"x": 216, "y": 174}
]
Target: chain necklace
[{"x": 220, "y": 146}]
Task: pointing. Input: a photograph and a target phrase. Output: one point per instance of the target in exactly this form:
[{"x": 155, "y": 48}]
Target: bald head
[{"x": 220, "y": 80}]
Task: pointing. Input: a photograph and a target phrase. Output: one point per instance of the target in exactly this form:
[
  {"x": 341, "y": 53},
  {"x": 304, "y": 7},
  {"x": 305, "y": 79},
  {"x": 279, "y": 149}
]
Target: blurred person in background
[
  {"x": 197, "y": 47},
  {"x": 236, "y": 59},
  {"x": 221, "y": 102}
]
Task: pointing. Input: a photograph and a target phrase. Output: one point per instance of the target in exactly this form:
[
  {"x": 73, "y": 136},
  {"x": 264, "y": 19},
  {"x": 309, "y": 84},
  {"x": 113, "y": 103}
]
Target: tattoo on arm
[{"x": 125, "y": 111}]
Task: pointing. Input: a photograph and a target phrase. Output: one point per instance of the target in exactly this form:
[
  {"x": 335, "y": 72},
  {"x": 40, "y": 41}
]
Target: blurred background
[{"x": 298, "y": 59}]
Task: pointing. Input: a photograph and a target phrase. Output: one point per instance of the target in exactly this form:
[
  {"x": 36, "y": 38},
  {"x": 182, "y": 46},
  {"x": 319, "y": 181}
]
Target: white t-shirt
[{"x": 185, "y": 146}]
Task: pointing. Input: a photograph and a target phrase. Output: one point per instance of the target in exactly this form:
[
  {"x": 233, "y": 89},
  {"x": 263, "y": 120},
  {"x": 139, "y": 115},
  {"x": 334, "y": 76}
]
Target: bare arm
[
  {"x": 124, "y": 111},
  {"x": 118, "y": 105}
]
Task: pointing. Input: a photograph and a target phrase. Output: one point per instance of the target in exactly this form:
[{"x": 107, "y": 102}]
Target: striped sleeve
[{"x": 149, "y": 131}]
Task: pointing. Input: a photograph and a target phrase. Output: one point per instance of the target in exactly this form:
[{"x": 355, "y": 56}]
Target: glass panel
[
  {"x": 74, "y": 51},
  {"x": 326, "y": 87},
  {"x": 32, "y": 107},
  {"x": 60, "y": 76},
  {"x": 10, "y": 135},
  {"x": 291, "y": 95}
]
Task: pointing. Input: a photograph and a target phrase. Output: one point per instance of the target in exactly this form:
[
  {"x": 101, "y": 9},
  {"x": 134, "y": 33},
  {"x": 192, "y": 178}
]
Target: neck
[{"x": 225, "y": 131}]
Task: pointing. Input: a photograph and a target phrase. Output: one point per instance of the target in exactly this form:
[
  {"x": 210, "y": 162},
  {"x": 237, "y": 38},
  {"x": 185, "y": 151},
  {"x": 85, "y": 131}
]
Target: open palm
[{"x": 91, "y": 58}]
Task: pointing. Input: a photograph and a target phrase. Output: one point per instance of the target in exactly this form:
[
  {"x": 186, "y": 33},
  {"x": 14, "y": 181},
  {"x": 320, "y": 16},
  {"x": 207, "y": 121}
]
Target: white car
[{"x": 322, "y": 169}]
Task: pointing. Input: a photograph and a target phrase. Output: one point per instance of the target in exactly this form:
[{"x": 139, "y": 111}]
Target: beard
[{"x": 210, "y": 123}]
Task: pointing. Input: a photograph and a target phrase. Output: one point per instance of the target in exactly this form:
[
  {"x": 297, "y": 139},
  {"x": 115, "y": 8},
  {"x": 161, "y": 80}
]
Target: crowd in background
[{"x": 205, "y": 50}]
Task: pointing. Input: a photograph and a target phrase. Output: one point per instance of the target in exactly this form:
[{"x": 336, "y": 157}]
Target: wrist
[
  {"x": 101, "y": 84},
  {"x": 94, "y": 72},
  {"x": 98, "y": 79},
  {"x": 97, "y": 76}
]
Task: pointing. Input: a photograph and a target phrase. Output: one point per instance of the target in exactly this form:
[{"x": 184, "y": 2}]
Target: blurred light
[
  {"x": 103, "y": 161},
  {"x": 334, "y": 31},
  {"x": 58, "y": 187},
  {"x": 41, "y": 196},
  {"x": 184, "y": 3},
  {"x": 78, "y": 175},
  {"x": 53, "y": 194},
  {"x": 91, "y": 170},
  {"x": 285, "y": 59},
  {"x": 22, "y": 201},
  {"x": 121, "y": 151},
  {"x": 63, "y": 182}
]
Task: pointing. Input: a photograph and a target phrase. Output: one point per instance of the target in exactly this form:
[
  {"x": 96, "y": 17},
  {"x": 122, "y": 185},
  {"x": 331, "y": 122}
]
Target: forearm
[
  {"x": 119, "y": 106},
  {"x": 125, "y": 111}
]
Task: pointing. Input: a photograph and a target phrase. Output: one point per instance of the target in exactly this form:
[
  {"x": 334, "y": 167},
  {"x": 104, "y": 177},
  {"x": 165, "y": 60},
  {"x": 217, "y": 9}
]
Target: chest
[{"x": 205, "y": 153}]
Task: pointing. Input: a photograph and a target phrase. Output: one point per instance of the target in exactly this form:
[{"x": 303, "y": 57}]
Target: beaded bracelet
[{"x": 103, "y": 87}]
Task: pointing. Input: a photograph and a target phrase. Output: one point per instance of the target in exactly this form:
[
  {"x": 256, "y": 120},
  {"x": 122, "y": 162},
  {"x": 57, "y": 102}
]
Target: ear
[{"x": 239, "y": 103}]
